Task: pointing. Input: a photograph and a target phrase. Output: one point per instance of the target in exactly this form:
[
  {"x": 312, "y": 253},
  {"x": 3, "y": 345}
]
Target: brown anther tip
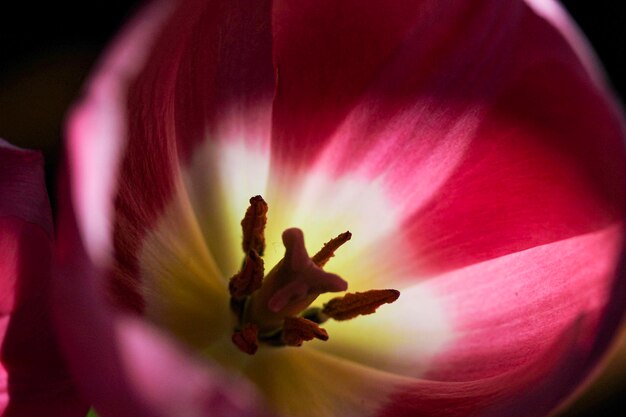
[
  {"x": 297, "y": 330},
  {"x": 328, "y": 250},
  {"x": 247, "y": 339},
  {"x": 249, "y": 279},
  {"x": 253, "y": 226},
  {"x": 352, "y": 305}
]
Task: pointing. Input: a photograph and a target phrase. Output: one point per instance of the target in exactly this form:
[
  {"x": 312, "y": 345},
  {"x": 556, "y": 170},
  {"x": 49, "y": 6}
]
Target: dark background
[{"x": 46, "y": 51}]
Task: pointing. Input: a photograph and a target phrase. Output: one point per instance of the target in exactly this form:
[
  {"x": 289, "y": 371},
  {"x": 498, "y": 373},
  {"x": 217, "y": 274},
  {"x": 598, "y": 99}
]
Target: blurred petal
[
  {"x": 209, "y": 80},
  {"x": 123, "y": 366},
  {"x": 33, "y": 378},
  {"x": 121, "y": 116},
  {"x": 302, "y": 382},
  {"x": 97, "y": 136}
]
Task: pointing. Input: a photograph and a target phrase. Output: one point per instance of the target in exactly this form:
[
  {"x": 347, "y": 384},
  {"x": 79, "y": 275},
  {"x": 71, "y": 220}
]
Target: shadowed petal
[{"x": 33, "y": 378}]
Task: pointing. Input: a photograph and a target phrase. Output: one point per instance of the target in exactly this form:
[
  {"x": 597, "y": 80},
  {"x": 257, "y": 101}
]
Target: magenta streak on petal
[
  {"x": 413, "y": 123},
  {"x": 96, "y": 132}
]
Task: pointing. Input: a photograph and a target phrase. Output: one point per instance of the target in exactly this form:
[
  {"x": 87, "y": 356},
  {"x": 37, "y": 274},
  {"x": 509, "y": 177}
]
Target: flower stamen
[
  {"x": 328, "y": 250},
  {"x": 246, "y": 281},
  {"x": 274, "y": 310},
  {"x": 247, "y": 339},
  {"x": 357, "y": 304},
  {"x": 253, "y": 226},
  {"x": 297, "y": 330}
]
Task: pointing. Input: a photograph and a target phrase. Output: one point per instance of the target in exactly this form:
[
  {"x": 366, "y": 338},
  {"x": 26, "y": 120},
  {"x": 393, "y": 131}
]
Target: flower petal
[
  {"x": 508, "y": 310},
  {"x": 472, "y": 127},
  {"x": 302, "y": 382},
  {"x": 489, "y": 318},
  {"x": 117, "y": 194},
  {"x": 33, "y": 378},
  {"x": 209, "y": 80},
  {"x": 523, "y": 392},
  {"x": 97, "y": 138}
]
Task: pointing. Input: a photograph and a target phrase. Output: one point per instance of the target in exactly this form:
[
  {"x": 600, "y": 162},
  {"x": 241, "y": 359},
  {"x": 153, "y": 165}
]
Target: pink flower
[{"x": 471, "y": 148}]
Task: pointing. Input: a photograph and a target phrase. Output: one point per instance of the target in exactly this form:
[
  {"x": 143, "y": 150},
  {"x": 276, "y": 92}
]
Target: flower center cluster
[{"x": 274, "y": 309}]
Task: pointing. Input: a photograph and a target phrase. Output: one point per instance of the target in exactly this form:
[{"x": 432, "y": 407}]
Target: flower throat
[{"x": 275, "y": 309}]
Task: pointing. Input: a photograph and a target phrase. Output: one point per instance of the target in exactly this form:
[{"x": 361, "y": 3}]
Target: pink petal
[
  {"x": 508, "y": 310},
  {"x": 529, "y": 391},
  {"x": 33, "y": 378},
  {"x": 493, "y": 137},
  {"x": 97, "y": 133},
  {"x": 530, "y": 327}
]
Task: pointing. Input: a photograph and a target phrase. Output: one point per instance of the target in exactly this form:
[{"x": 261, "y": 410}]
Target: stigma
[{"x": 275, "y": 309}]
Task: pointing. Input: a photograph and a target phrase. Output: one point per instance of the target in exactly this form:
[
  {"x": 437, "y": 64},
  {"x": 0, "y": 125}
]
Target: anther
[
  {"x": 352, "y": 305},
  {"x": 328, "y": 251},
  {"x": 247, "y": 339},
  {"x": 297, "y": 330},
  {"x": 253, "y": 226},
  {"x": 249, "y": 279}
]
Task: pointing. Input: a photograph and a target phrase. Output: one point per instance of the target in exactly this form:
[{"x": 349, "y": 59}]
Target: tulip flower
[{"x": 471, "y": 149}]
